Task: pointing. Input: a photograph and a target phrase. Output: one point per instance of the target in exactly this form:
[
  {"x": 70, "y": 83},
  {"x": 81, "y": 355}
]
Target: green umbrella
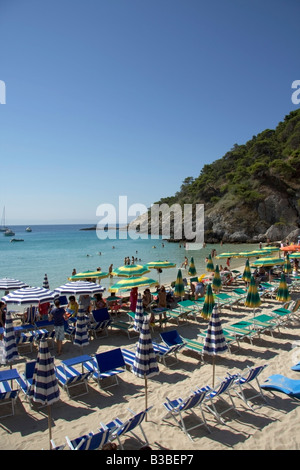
[
  {"x": 295, "y": 255},
  {"x": 228, "y": 255},
  {"x": 283, "y": 294},
  {"x": 192, "y": 270},
  {"x": 287, "y": 265},
  {"x": 89, "y": 275},
  {"x": 267, "y": 262},
  {"x": 247, "y": 272},
  {"x": 130, "y": 270},
  {"x": 217, "y": 282},
  {"x": 210, "y": 264},
  {"x": 253, "y": 298},
  {"x": 131, "y": 282},
  {"x": 160, "y": 265},
  {"x": 179, "y": 286},
  {"x": 208, "y": 304}
]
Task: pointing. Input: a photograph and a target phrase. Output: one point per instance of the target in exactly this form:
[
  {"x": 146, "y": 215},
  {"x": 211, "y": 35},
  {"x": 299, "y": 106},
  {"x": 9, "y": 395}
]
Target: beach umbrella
[
  {"x": 46, "y": 282},
  {"x": 290, "y": 248},
  {"x": 145, "y": 363},
  {"x": 130, "y": 270},
  {"x": 252, "y": 298},
  {"x": 81, "y": 337},
  {"x": 210, "y": 264},
  {"x": 45, "y": 389},
  {"x": 30, "y": 295},
  {"x": 228, "y": 255},
  {"x": 179, "y": 286},
  {"x": 267, "y": 262},
  {"x": 10, "y": 350},
  {"x": 247, "y": 272},
  {"x": 139, "y": 314},
  {"x": 11, "y": 284},
  {"x": 287, "y": 268},
  {"x": 160, "y": 265},
  {"x": 89, "y": 275},
  {"x": 217, "y": 282},
  {"x": 208, "y": 304},
  {"x": 283, "y": 294},
  {"x": 270, "y": 248},
  {"x": 294, "y": 255},
  {"x": 79, "y": 288},
  {"x": 214, "y": 342},
  {"x": 131, "y": 282},
  {"x": 192, "y": 270}
]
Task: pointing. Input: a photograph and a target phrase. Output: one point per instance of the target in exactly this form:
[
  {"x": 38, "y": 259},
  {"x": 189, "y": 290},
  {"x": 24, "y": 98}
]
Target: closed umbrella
[
  {"x": 10, "y": 350},
  {"x": 287, "y": 268},
  {"x": 210, "y": 264},
  {"x": 139, "y": 314},
  {"x": 179, "y": 286},
  {"x": 145, "y": 363},
  {"x": 30, "y": 295},
  {"x": 217, "y": 282},
  {"x": 79, "y": 288},
  {"x": 130, "y": 270},
  {"x": 252, "y": 298},
  {"x": 45, "y": 388},
  {"x": 46, "y": 282},
  {"x": 81, "y": 337},
  {"x": 131, "y": 282},
  {"x": 214, "y": 342},
  {"x": 208, "y": 304},
  {"x": 247, "y": 272},
  {"x": 283, "y": 294},
  {"x": 192, "y": 269},
  {"x": 11, "y": 284}
]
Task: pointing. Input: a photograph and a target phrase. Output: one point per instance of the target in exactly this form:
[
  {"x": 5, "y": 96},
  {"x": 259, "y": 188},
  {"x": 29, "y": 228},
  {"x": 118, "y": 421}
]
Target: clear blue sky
[{"x": 129, "y": 97}]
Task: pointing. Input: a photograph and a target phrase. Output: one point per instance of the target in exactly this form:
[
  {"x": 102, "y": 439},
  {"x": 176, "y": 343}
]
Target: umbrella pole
[
  {"x": 146, "y": 397},
  {"x": 214, "y": 364},
  {"x": 49, "y": 425}
]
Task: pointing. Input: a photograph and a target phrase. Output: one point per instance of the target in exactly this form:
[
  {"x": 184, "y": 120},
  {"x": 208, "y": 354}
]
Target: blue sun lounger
[
  {"x": 283, "y": 384},
  {"x": 107, "y": 364},
  {"x": 296, "y": 367}
]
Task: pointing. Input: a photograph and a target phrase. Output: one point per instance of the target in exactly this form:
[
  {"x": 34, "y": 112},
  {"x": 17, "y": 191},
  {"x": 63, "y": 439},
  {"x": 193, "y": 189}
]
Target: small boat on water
[
  {"x": 16, "y": 240},
  {"x": 28, "y": 229},
  {"x": 3, "y": 227},
  {"x": 9, "y": 233}
]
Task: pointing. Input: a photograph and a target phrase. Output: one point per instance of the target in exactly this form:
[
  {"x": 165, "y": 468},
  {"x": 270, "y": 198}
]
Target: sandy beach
[{"x": 271, "y": 425}]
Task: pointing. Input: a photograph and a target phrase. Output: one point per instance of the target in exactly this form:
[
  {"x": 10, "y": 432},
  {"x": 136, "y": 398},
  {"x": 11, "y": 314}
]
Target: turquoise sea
[{"x": 56, "y": 249}]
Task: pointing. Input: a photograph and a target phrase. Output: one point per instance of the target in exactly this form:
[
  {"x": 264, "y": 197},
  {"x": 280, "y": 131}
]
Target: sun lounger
[
  {"x": 243, "y": 381},
  {"x": 283, "y": 384},
  {"x": 100, "y": 322},
  {"x": 8, "y": 396},
  {"x": 90, "y": 441},
  {"x": 241, "y": 330},
  {"x": 25, "y": 380},
  {"x": 172, "y": 338},
  {"x": 105, "y": 365},
  {"x": 69, "y": 377},
  {"x": 124, "y": 326},
  {"x": 163, "y": 352}
]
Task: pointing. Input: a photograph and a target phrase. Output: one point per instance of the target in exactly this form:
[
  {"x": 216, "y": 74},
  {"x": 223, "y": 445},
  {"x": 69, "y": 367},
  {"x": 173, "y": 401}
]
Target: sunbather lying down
[{"x": 283, "y": 384}]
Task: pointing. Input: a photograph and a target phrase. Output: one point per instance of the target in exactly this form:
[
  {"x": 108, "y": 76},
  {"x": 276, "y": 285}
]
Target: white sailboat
[{"x": 3, "y": 227}]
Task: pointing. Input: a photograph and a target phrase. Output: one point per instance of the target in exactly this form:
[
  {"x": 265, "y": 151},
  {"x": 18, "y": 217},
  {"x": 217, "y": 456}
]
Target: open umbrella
[
  {"x": 252, "y": 298},
  {"x": 214, "y": 342},
  {"x": 208, "y": 304},
  {"x": 45, "y": 389},
  {"x": 79, "y": 288},
  {"x": 130, "y": 270},
  {"x": 46, "y": 282},
  {"x": 89, "y": 275},
  {"x": 267, "y": 262},
  {"x": 290, "y": 248},
  {"x": 247, "y": 272},
  {"x": 210, "y": 264},
  {"x": 179, "y": 286},
  {"x": 11, "y": 284},
  {"x": 10, "y": 350},
  {"x": 283, "y": 294},
  {"x": 145, "y": 363},
  {"x": 131, "y": 282},
  {"x": 81, "y": 337},
  {"x": 139, "y": 315},
  {"x": 30, "y": 295},
  {"x": 160, "y": 265},
  {"x": 192, "y": 269},
  {"x": 217, "y": 282}
]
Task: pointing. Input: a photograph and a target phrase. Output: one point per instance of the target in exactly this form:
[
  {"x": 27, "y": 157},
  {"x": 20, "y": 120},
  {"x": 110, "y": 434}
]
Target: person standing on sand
[{"x": 57, "y": 314}]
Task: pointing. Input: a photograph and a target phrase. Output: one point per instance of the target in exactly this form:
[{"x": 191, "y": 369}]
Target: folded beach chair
[
  {"x": 243, "y": 381},
  {"x": 163, "y": 352},
  {"x": 177, "y": 407},
  {"x": 119, "y": 428},
  {"x": 100, "y": 322},
  {"x": 217, "y": 394},
  {"x": 90, "y": 441},
  {"x": 172, "y": 338},
  {"x": 280, "y": 383},
  {"x": 69, "y": 377},
  {"x": 25, "y": 380},
  {"x": 105, "y": 365},
  {"x": 8, "y": 396}
]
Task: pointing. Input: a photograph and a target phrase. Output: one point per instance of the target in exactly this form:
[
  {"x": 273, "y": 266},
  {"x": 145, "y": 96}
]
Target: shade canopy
[
  {"x": 79, "y": 288},
  {"x": 131, "y": 282},
  {"x": 7, "y": 283},
  {"x": 130, "y": 270},
  {"x": 89, "y": 275},
  {"x": 30, "y": 295},
  {"x": 267, "y": 262},
  {"x": 160, "y": 265}
]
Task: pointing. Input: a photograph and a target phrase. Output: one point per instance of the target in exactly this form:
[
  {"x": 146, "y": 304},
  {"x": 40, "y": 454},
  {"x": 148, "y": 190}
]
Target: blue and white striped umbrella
[
  {"x": 81, "y": 337},
  {"x": 214, "y": 342},
  {"x": 10, "y": 350},
  {"x": 79, "y": 288},
  {"x": 139, "y": 314},
  {"x": 30, "y": 295},
  {"x": 145, "y": 363},
  {"x": 11, "y": 284},
  {"x": 46, "y": 282},
  {"x": 45, "y": 389}
]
